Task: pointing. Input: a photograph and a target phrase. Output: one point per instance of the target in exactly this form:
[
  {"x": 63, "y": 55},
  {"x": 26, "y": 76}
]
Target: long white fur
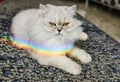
[{"x": 33, "y": 26}]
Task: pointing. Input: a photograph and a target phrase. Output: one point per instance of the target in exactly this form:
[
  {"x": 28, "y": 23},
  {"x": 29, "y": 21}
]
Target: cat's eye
[
  {"x": 65, "y": 23},
  {"x": 52, "y": 23}
]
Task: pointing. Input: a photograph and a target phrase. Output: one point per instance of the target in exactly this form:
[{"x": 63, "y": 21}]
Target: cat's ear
[
  {"x": 71, "y": 9},
  {"x": 43, "y": 8}
]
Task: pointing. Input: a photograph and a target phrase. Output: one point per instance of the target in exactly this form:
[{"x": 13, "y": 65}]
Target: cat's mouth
[{"x": 58, "y": 34}]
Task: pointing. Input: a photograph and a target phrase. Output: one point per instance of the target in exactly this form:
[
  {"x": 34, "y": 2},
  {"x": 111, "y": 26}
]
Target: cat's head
[{"x": 59, "y": 20}]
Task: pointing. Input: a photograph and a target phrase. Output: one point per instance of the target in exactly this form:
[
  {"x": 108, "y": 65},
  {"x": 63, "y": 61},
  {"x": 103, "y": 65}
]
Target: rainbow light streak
[{"x": 42, "y": 50}]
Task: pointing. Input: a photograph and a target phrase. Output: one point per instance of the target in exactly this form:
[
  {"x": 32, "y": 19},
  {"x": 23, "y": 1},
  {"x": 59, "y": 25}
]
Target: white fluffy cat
[{"x": 52, "y": 26}]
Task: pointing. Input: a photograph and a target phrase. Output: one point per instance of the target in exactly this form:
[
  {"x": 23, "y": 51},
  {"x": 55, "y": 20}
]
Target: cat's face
[{"x": 59, "y": 22}]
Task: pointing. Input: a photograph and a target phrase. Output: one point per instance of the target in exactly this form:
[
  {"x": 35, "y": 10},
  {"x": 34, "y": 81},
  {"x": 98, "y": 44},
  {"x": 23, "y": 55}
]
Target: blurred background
[{"x": 105, "y": 14}]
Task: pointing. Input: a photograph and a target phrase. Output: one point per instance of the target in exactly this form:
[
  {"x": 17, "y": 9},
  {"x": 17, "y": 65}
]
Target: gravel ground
[{"x": 16, "y": 65}]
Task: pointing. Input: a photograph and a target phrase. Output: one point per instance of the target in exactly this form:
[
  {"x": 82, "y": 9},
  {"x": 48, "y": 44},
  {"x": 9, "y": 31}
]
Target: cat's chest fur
[{"x": 53, "y": 44}]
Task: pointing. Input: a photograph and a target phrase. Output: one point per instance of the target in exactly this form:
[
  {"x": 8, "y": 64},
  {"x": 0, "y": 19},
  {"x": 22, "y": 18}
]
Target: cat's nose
[{"x": 59, "y": 30}]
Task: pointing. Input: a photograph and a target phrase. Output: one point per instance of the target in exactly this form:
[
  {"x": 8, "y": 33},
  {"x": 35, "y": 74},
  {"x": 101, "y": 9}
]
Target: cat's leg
[
  {"x": 83, "y": 36},
  {"x": 81, "y": 55},
  {"x": 61, "y": 62}
]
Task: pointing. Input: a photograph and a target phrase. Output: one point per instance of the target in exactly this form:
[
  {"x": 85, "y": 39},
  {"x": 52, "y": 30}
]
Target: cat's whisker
[{"x": 36, "y": 34}]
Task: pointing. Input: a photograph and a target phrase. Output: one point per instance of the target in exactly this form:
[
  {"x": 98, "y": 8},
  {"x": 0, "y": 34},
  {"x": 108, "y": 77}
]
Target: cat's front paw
[
  {"x": 83, "y": 36},
  {"x": 74, "y": 69},
  {"x": 86, "y": 58},
  {"x": 81, "y": 55}
]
